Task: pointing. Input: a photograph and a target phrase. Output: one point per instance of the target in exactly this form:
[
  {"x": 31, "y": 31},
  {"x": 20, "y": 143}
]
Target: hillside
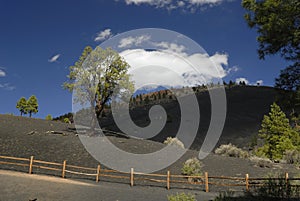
[{"x": 246, "y": 106}]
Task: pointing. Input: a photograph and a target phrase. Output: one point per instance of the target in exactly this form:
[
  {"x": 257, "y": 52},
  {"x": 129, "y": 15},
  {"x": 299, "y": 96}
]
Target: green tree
[
  {"x": 277, "y": 134},
  {"x": 32, "y": 105},
  {"x": 96, "y": 76},
  {"x": 277, "y": 23},
  {"x": 22, "y": 105}
]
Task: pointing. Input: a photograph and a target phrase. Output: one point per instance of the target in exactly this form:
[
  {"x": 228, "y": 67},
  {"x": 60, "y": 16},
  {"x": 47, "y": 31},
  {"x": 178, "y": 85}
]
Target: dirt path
[{"x": 15, "y": 186}]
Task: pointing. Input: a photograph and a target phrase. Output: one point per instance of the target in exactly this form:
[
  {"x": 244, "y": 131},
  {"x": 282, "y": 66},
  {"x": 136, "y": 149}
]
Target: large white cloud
[{"x": 173, "y": 69}]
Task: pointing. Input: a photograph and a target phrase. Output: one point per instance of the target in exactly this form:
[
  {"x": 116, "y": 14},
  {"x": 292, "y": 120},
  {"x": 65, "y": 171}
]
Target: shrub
[
  {"x": 67, "y": 120},
  {"x": 225, "y": 196},
  {"x": 192, "y": 167},
  {"x": 292, "y": 156},
  {"x": 261, "y": 162},
  {"x": 181, "y": 197},
  {"x": 174, "y": 141},
  {"x": 231, "y": 151},
  {"x": 276, "y": 187},
  {"x": 48, "y": 117}
]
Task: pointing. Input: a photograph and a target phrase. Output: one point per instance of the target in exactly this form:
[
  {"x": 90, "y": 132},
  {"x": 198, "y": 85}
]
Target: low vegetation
[
  {"x": 192, "y": 167},
  {"x": 174, "y": 141},
  {"x": 231, "y": 150},
  {"x": 182, "y": 197},
  {"x": 261, "y": 162}
]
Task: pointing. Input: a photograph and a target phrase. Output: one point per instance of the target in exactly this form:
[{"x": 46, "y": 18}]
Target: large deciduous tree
[{"x": 96, "y": 76}]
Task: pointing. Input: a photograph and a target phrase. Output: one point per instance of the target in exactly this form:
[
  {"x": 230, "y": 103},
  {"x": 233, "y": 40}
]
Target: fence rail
[{"x": 205, "y": 181}]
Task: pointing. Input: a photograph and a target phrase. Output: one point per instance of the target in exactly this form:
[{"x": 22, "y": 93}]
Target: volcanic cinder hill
[{"x": 246, "y": 106}]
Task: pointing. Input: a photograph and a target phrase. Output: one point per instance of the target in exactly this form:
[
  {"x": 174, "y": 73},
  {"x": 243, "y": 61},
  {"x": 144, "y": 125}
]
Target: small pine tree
[
  {"x": 22, "y": 105},
  {"x": 277, "y": 134},
  {"x": 32, "y": 105}
]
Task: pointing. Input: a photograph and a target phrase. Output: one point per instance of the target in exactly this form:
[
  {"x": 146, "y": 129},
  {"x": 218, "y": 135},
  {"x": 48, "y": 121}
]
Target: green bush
[
  {"x": 67, "y": 120},
  {"x": 277, "y": 187},
  {"x": 49, "y": 117},
  {"x": 182, "y": 197},
  {"x": 174, "y": 141},
  {"x": 231, "y": 151}
]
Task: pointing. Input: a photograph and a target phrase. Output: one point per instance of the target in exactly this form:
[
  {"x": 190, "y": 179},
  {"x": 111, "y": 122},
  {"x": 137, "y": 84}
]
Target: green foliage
[
  {"x": 22, "y": 105},
  {"x": 62, "y": 117},
  {"x": 231, "y": 151},
  {"x": 192, "y": 167},
  {"x": 181, "y": 197},
  {"x": 277, "y": 23},
  {"x": 49, "y": 117},
  {"x": 277, "y": 134},
  {"x": 32, "y": 105},
  {"x": 67, "y": 120},
  {"x": 276, "y": 187},
  {"x": 99, "y": 73}
]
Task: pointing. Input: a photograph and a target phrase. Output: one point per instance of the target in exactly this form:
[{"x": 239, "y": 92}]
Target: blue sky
[{"x": 41, "y": 39}]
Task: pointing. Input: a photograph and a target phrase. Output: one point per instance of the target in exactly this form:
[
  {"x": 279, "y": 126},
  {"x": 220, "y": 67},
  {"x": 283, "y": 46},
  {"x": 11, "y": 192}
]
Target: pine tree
[
  {"x": 277, "y": 134},
  {"x": 32, "y": 105},
  {"x": 22, "y": 105}
]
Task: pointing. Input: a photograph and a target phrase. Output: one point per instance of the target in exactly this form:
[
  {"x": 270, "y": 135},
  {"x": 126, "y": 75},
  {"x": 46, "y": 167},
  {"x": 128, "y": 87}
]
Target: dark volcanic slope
[{"x": 246, "y": 106}]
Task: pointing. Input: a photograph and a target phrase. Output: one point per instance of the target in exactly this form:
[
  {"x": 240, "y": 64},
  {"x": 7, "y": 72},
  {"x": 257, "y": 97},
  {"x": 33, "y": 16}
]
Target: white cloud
[
  {"x": 103, "y": 35},
  {"x": 233, "y": 69},
  {"x": 54, "y": 58},
  {"x": 172, "y": 47},
  {"x": 7, "y": 86},
  {"x": 163, "y": 68},
  {"x": 187, "y": 5},
  {"x": 130, "y": 41},
  {"x": 259, "y": 82},
  {"x": 241, "y": 79},
  {"x": 202, "y": 2},
  {"x": 2, "y": 73}
]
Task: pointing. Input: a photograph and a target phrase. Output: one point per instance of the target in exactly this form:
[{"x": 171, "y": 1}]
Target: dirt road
[{"x": 15, "y": 186}]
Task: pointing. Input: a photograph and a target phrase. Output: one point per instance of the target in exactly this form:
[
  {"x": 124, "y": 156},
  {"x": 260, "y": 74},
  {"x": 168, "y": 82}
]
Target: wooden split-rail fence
[{"x": 168, "y": 179}]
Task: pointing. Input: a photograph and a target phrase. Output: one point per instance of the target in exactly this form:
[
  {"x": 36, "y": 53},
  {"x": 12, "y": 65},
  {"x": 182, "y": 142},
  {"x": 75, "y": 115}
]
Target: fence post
[
  {"x": 30, "y": 165},
  {"x": 287, "y": 180},
  {"x": 98, "y": 173},
  {"x": 247, "y": 182},
  {"x": 131, "y": 176},
  {"x": 206, "y": 182},
  {"x": 168, "y": 180},
  {"x": 64, "y": 169}
]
